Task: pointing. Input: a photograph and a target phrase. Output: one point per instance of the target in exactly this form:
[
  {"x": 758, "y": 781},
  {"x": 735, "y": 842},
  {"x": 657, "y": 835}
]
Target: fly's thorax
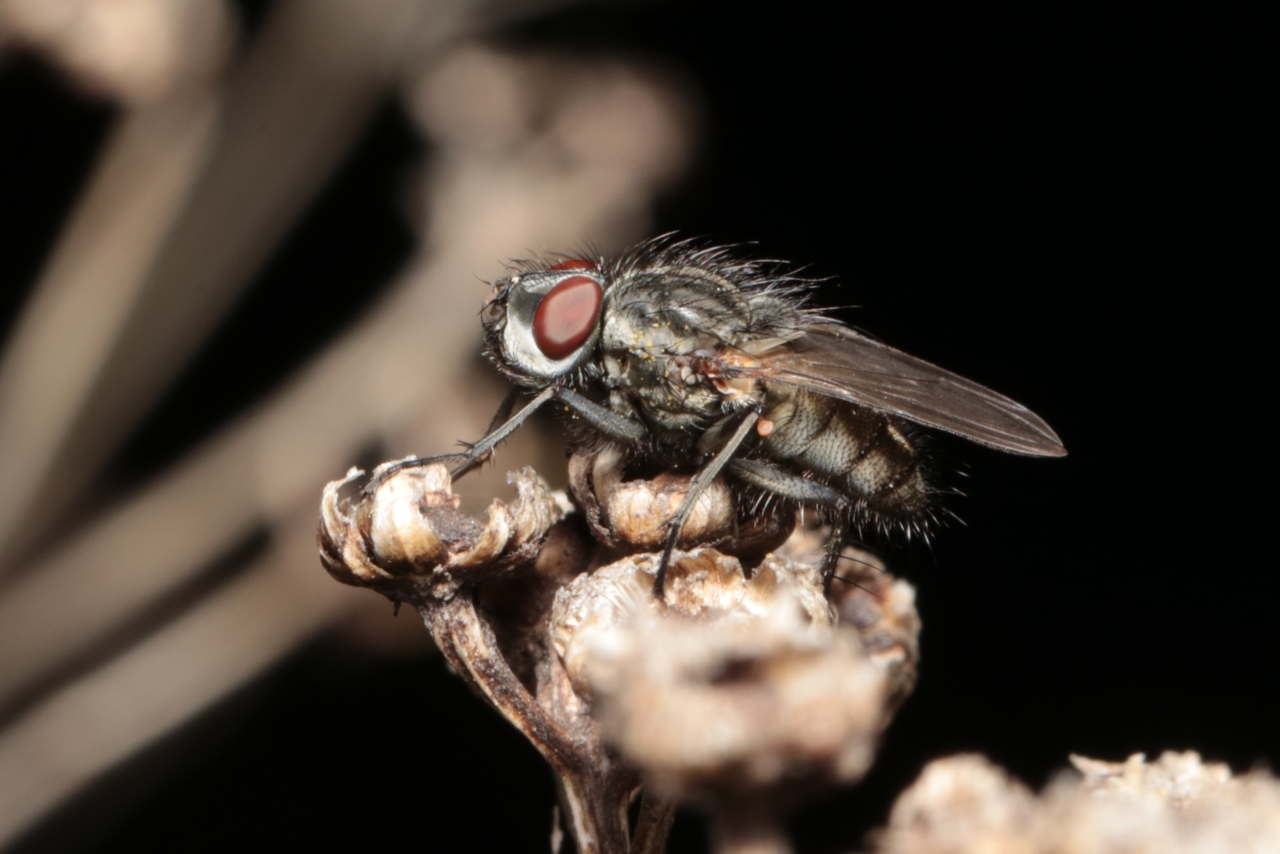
[
  {"x": 863, "y": 453},
  {"x": 674, "y": 310},
  {"x": 647, "y": 352},
  {"x": 648, "y": 329},
  {"x": 656, "y": 385}
]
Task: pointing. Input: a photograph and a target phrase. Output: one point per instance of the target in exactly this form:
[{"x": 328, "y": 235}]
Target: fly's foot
[{"x": 386, "y": 471}]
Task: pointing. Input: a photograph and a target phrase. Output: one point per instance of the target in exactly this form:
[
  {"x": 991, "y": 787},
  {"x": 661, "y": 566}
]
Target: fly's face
[{"x": 542, "y": 324}]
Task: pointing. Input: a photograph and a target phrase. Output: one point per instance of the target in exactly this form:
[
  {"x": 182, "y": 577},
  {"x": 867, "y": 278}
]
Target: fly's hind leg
[
  {"x": 834, "y": 549},
  {"x": 775, "y": 480},
  {"x": 782, "y": 483}
]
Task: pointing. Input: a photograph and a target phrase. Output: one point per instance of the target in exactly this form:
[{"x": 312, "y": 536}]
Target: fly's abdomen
[{"x": 860, "y": 452}]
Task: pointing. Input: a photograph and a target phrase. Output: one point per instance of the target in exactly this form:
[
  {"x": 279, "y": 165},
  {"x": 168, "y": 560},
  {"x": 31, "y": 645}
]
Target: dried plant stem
[
  {"x": 89, "y": 288},
  {"x": 653, "y": 825},
  {"x": 746, "y": 831},
  {"x": 594, "y": 791}
]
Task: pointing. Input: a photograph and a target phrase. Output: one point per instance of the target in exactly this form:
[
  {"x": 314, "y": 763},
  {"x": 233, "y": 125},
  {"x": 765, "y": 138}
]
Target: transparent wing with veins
[{"x": 834, "y": 360}]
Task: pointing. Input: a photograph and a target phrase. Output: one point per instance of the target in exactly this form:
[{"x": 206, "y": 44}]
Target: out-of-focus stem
[
  {"x": 290, "y": 112},
  {"x": 472, "y": 650},
  {"x": 653, "y": 825},
  {"x": 91, "y": 284},
  {"x": 743, "y": 831},
  {"x": 592, "y": 793},
  {"x": 597, "y": 811},
  {"x": 99, "y": 720}
]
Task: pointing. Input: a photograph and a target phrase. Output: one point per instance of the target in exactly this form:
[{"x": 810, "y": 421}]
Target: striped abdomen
[{"x": 857, "y": 451}]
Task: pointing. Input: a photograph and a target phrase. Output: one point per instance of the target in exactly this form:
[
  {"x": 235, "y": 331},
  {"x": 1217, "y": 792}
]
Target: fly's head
[{"x": 542, "y": 324}]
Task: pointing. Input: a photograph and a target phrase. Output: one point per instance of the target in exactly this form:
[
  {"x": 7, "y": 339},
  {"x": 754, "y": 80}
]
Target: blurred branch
[
  {"x": 95, "y": 722},
  {"x": 97, "y": 270},
  {"x": 135, "y": 51},
  {"x": 291, "y": 111},
  {"x": 605, "y": 140},
  {"x": 91, "y": 284}
]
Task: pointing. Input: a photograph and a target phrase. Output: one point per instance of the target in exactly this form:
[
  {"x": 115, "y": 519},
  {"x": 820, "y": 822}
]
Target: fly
[{"x": 692, "y": 357}]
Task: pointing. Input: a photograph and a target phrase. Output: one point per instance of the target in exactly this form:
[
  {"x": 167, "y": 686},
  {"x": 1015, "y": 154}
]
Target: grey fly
[{"x": 690, "y": 356}]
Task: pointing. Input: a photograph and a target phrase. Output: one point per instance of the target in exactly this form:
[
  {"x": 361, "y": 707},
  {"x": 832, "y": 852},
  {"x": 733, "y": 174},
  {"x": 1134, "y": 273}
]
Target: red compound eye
[
  {"x": 572, "y": 264},
  {"x": 566, "y": 316}
]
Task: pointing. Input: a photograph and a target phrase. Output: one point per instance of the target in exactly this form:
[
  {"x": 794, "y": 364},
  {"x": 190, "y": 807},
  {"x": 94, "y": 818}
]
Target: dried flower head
[
  {"x": 733, "y": 685},
  {"x": 407, "y": 537},
  {"x": 631, "y": 515},
  {"x": 746, "y": 684},
  {"x": 1176, "y": 805}
]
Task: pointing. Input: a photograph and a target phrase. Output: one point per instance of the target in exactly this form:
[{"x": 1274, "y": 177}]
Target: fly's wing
[{"x": 836, "y": 361}]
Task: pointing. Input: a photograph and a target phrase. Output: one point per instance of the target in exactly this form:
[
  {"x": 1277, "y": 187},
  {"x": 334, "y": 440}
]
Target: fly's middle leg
[{"x": 696, "y": 487}]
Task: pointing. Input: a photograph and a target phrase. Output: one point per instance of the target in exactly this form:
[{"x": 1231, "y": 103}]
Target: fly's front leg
[
  {"x": 475, "y": 454},
  {"x": 504, "y": 424},
  {"x": 605, "y": 420},
  {"x": 696, "y": 487},
  {"x": 495, "y": 423}
]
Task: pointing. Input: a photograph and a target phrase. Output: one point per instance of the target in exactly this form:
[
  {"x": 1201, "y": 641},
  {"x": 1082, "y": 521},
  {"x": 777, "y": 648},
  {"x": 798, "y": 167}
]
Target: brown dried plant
[{"x": 742, "y": 691}]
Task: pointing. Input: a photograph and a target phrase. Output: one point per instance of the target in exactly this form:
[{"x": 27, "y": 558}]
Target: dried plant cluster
[
  {"x": 1175, "y": 805},
  {"x": 745, "y": 689}
]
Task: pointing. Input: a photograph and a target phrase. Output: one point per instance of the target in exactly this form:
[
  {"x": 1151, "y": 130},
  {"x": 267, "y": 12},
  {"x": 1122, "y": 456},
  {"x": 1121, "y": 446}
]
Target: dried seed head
[
  {"x": 639, "y": 510},
  {"x": 883, "y": 611},
  {"x": 739, "y": 691},
  {"x": 404, "y": 523},
  {"x": 1176, "y": 805},
  {"x": 703, "y": 583},
  {"x": 632, "y": 515},
  {"x": 1176, "y": 778},
  {"x": 865, "y": 596},
  {"x": 734, "y": 687},
  {"x": 408, "y": 538}
]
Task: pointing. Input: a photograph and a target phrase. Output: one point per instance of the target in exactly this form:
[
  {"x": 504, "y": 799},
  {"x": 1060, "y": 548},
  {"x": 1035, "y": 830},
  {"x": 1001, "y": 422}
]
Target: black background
[{"x": 1059, "y": 206}]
